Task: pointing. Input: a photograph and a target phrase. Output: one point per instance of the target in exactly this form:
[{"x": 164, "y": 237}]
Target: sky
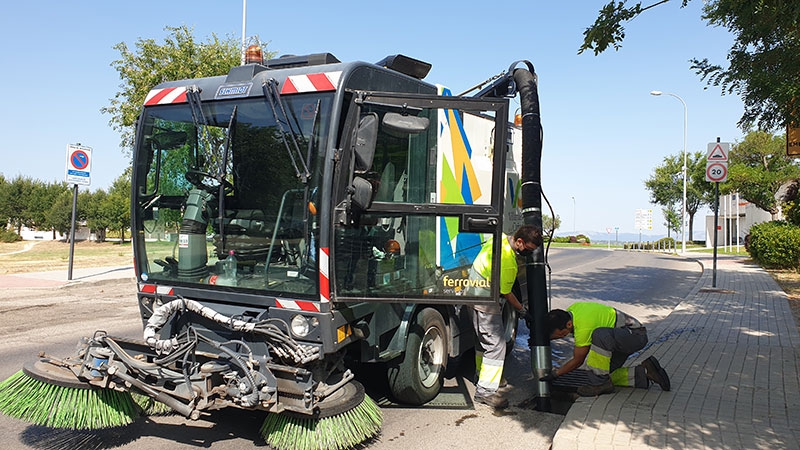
[{"x": 603, "y": 131}]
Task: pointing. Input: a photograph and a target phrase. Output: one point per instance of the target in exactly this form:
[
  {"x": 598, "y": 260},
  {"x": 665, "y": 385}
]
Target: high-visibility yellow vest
[{"x": 508, "y": 263}]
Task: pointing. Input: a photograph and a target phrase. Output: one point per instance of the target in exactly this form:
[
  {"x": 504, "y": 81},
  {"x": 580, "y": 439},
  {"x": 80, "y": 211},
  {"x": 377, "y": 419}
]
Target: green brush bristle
[
  {"x": 149, "y": 406},
  {"x": 54, "y": 406},
  {"x": 339, "y": 432}
]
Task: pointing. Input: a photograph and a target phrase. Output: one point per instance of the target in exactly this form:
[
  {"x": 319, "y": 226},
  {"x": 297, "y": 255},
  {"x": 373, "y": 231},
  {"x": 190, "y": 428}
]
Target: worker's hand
[
  {"x": 550, "y": 376},
  {"x": 526, "y": 314}
]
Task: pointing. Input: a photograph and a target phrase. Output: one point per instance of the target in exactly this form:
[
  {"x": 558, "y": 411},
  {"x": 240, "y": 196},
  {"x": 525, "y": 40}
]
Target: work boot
[
  {"x": 592, "y": 390},
  {"x": 493, "y": 399},
  {"x": 656, "y": 373}
]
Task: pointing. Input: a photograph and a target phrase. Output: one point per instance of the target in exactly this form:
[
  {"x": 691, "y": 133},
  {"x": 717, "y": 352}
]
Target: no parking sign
[{"x": 79, "y": 165}]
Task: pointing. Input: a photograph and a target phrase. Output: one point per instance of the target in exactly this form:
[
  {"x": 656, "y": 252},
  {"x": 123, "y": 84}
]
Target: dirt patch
[
  {"x": 40, "y": 256},
  {"x": 789, "y": 281}
]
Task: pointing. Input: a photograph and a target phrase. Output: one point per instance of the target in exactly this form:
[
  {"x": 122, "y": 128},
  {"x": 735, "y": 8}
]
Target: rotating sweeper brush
[{"x": 111, "y": 381}]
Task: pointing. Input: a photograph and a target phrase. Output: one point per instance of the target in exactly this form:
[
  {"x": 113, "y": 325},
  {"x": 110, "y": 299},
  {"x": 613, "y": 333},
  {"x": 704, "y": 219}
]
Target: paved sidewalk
[{"x": 733, "y": 356}]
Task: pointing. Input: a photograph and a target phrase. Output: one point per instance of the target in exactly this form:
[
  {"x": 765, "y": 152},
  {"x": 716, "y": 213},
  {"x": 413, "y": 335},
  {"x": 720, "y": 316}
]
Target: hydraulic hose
[{"x": 525, "y": 80}]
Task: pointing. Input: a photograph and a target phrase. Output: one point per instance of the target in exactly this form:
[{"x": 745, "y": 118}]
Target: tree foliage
[
  {"x": 59, "y": 214},
  {"x": 549, "y": 224},
  {"x": 93, "y": 205},
  {"x": 180, "y": 57},
  {"x": 762, "y": 61},
  {"x": 758, "y": 167},
  {"x": 672, "y": 218},
  {"x": 117, "y": 205},
  {"x": 666, "y": 185}
]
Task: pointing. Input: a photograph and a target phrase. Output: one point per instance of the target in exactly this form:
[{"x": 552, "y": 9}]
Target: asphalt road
[{"x": 647, "y": 286}]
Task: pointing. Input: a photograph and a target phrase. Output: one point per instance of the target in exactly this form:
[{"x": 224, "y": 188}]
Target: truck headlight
[{"x": 302, "y": 325}]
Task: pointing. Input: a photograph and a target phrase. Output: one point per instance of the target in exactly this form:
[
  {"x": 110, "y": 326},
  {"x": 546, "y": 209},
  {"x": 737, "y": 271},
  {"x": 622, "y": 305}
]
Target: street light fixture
[{"x": 683, "y": 212}]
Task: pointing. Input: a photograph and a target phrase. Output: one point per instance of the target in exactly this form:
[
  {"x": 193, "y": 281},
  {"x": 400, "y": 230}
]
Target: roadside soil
[
  {"x": 42, "y": 315},
  {"x": 789, "y": 281},
  {"x": 41, "y": 256}
]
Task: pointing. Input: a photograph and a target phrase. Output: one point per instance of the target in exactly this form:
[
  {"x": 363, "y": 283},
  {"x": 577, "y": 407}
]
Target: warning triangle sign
[{"x": 718, "y": 151}]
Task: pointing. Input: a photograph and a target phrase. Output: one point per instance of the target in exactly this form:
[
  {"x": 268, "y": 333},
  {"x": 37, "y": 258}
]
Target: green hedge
[
  {"x": 579, "y": 239},
  {"x": 9, "y": 236},
  {"x": 775, "y": 245},
  {"x": 659, "y": 245}
]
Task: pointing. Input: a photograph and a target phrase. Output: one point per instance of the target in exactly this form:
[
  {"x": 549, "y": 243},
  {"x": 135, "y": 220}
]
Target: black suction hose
[{"x": 532, "y": 215}]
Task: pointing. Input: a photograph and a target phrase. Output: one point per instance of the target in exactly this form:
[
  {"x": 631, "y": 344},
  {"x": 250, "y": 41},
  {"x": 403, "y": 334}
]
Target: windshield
[{"x": 223, "y": 181}]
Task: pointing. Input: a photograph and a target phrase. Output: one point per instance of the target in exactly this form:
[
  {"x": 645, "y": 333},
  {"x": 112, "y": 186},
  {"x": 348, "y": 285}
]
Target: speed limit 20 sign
[
  {"x": 717, "y": 161},
  {"x": 717, "y": 172}
]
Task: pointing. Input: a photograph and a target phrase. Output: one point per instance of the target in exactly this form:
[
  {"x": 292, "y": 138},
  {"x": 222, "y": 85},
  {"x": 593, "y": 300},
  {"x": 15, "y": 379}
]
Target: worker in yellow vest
[
  {"x": 604, "y": 338},
  {"x": 488, "y": 319}
]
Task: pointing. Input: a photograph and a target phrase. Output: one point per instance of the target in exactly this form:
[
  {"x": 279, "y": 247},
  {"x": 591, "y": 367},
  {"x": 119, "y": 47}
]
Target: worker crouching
[{"x": 604, "y": 339}]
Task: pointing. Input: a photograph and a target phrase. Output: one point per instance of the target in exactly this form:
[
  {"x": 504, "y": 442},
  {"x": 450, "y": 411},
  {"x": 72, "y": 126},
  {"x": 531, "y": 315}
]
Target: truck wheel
[{"x": 418, "y": 377}]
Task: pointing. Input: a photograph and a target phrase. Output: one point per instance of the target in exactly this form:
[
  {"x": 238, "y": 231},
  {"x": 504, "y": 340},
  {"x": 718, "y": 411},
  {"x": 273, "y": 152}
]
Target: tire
[{"x": 418, "y": 377}]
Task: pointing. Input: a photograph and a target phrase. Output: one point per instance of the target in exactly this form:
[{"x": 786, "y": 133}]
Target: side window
[{"x": 416, "y": 240}]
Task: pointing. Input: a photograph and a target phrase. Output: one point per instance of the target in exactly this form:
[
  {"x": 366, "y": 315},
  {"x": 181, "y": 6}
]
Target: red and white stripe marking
[
  {"x": 154, "y": 289},
  {"x": 314, "y": 82},
  {"x": 324, "y": 279},
  {"x": 297, "y": 305},
  {"x": 165, "y": 96}
]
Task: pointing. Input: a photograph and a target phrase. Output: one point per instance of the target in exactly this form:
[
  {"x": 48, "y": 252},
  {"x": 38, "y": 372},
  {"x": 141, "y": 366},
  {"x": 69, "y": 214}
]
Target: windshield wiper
[
  {"x": 198, "y": 117},
  {"x": 270, "y": 88},
  {"x": 223, "y": 173}
]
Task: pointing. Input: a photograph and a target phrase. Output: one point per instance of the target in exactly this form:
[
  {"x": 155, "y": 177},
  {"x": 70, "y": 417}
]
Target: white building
[{"x": 736, "y": 216}]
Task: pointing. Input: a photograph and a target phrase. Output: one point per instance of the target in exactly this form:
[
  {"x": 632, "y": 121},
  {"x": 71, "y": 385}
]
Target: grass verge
[{"x": 40, "y": 256}]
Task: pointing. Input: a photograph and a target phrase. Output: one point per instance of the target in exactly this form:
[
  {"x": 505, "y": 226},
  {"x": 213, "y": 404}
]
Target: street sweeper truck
[{"x": 295, "y": 221}]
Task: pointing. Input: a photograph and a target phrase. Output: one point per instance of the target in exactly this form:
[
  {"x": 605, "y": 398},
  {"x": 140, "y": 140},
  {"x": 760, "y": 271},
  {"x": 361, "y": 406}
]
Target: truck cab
[{"x": 351, "y": 198}]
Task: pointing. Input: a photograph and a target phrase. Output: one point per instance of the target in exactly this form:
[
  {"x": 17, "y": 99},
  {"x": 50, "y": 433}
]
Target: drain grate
[{"x": 569, "y": 382}]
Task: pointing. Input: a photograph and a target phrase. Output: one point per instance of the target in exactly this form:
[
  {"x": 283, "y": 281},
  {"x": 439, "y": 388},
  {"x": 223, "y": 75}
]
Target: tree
[
  {"x": 117, "y": 204},
  {"x": 59, "y": 214},
  {"x": 44, "y": 197},
  {"x": 762, "y": 62},
  {"x": 672, "y": 219},
  {"x": 179, "y": 57},
  {"x": 666, "y": 185},
  {"x": 18, "y": 196},
  {"x": 758, "y": 167},
  {"x": 92, "y": 204},
  {"x": 549, "y": 224},
  {"x": 5, "y": 203}
]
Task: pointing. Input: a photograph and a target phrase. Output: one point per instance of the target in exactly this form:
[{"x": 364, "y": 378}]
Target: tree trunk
[{"x": 690, "y": 238}]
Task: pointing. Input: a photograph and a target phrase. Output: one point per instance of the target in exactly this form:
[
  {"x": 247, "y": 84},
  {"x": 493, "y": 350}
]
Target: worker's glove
[
  {"x": 526, "y": 315},
  {"x": 550, "y": 376}
]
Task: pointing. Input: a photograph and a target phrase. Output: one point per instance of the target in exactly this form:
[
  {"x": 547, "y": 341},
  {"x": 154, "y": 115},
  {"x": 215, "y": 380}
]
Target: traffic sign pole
[
  {"x": 78, "y": 171},
  {"x": 716, "y": 224},
  {"x": 72, "y": 230},
  {"x": 716, "y": 171}
]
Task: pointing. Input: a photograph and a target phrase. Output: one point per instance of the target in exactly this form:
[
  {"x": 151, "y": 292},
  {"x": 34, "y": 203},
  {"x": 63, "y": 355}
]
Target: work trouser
[
  {"x": 608, "y": 352},
  {"x": 490, "y": 352}
]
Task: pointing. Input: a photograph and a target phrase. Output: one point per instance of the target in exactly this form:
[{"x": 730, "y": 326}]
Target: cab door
[{"x": 421, "y": 188}]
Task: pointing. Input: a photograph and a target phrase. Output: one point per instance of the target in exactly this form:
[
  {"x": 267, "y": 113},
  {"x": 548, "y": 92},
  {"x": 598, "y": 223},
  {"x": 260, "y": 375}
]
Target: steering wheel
[{"x": 198, "y": 179}]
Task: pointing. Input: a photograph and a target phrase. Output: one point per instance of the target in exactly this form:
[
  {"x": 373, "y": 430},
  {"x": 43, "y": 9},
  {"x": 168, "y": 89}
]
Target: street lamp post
[
  {"x": 683, "y": 212},
  {"x": 574, "y": 229}
]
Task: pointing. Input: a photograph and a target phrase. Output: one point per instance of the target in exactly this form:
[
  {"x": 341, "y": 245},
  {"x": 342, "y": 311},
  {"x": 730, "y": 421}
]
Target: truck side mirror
[
  {"x": 361, "y": 193},
  {"x": 366, "y": 140},
  {"x": 404, "y": 125},
  {"x": 170, "y": 140}
]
